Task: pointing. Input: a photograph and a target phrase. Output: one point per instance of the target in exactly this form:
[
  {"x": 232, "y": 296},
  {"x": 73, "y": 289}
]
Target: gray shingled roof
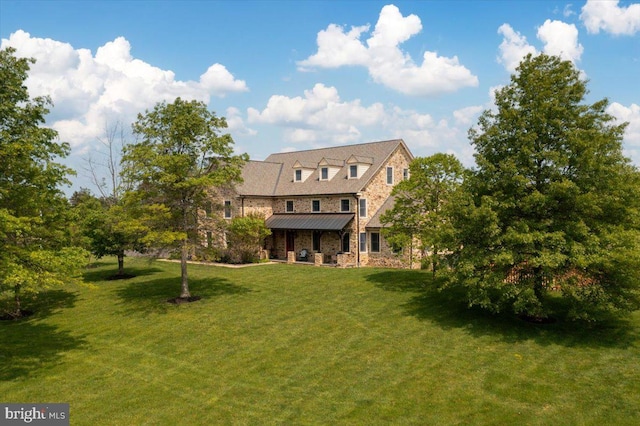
[
  {"x": 310, "y": 221},
  {"x": 274, "y": 176},
  {"x": 374, "y": 222}
]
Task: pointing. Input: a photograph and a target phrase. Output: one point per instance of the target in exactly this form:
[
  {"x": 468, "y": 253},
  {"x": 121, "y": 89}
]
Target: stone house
[{"x": 325, "y": 202}]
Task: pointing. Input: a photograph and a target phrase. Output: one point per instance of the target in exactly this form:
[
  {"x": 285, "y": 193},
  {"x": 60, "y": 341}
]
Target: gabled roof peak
[{"x": 359, "y": 159}]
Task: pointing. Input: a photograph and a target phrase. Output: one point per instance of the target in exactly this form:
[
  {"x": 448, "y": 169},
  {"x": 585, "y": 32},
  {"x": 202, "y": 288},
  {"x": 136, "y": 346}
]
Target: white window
[
  {"x": 389, "y": 175},
  {"x": 363, "y": 242},
  {"x": 353, "y": 171},
  {"x": 289, "y": 206},
  {"x": 315, "y": 206},
  {"x": 363, "y": 207},
  {"x": 345, "y": 205},
  {"x": 405, "y": 174},
  {"x": 324, "y": 173},
  {"x": 227, "y": 209},
  {"x": 298, "y": 175}
]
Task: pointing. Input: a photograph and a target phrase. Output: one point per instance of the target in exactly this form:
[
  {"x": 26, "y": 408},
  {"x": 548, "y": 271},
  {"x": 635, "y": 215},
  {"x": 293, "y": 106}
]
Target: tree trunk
[
  {"x": 184, "y": 290},
  {"x": 120, "y": 263},
  {"x": 16, "y": 298},
  {"x": 434, "y": 262}
]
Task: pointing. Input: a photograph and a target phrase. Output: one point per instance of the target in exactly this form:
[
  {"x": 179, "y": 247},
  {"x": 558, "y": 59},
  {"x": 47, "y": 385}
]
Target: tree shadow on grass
[
  {"x": 449, "y": 310},
  {"x": 96, "y": 275},
  {"x": 152, "y": 295},
  {"x": 27, "y": 345}
]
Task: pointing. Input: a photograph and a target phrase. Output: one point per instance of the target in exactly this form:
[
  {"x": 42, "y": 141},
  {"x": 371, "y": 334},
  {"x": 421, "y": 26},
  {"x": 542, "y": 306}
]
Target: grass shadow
[
  {"x": 28, "y": 345},
  {"x": 101, "y": 274},
  {"x": 449, "y": 310},
  {"x": 153, "y": 295}
]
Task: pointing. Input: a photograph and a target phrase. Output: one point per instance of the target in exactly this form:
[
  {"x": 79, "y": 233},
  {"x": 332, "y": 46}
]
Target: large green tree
[
  {"x": 34, "y": 226},
  {"x": 553, "y": 203},
  {"x": 420, "y": 209},
  {"x": 179, "y": 157},
  {"x": 109, "y": 227}
]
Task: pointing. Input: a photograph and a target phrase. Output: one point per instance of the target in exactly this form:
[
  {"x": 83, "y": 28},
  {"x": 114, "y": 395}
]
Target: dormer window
[
  {"x": 353, "y": 171},
  {"x": 358, "y": 166},
  {"x": 324, "y": 173},
  {"x": 301, "y": 172},
  {"x": 328, "y": 168}
]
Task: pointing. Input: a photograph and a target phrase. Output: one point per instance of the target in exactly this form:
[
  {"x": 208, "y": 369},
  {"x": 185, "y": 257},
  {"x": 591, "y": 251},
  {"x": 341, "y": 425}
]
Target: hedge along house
[{"x": 324, "y": 202}]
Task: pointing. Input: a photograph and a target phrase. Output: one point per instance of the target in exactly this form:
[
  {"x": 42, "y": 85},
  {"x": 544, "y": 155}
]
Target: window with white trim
[
  {"x": 227, "y": 209},
  {"x": 298, "y": 175},
  {"x": 315, "y": 206},
  {"x": 289, "y": 206},
  {"x": 324, "y": 173},
  {"x": 353, "y": 171},
  {"x": 345, "y": 205},
  {"x": 363, "y": 242},
  {"x": 405, "y": 174},
  {"x": 363, "y": 207},
  {"x": 389, "y": 175}
]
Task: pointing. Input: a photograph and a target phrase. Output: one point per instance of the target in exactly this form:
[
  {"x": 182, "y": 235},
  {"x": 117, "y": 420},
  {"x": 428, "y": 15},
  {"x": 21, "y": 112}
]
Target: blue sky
[{"x": 291, "y": 75}]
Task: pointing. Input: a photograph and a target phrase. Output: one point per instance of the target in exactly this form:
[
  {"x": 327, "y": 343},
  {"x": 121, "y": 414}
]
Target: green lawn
[{"x": 294, "y": 344}]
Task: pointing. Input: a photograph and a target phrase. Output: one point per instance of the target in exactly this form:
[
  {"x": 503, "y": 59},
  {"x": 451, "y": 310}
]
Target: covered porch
[{"x": 315, "y": 238}]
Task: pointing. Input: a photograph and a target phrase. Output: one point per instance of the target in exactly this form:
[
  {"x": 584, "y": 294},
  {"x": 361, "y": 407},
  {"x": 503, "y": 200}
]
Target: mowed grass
[{"x": 292, "y": 344}]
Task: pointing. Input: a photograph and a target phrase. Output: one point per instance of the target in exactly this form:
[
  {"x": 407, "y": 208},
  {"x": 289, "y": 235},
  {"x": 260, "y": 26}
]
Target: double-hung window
[
  {"x": 315, "y": 206},
  {"x": 389, "y": 175},
  {"x": 345, "y": 205},
  {"x": 363, "y": 207},
  {"x": 289, "y": 206},
  {"x": 363, "y": 242},
  {"x": 227, "y": 209}
]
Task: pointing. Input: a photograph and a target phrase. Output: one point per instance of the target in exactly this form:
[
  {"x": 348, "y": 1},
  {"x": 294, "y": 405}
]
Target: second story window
[
  {"x": 345, "y": 205},
  {"x": 363, "y": 207},
  {"x": 227, "y": 209},
  {"x": 298, "y": 175},
  {"x": 389, "y": 175},
  {"x": 289, "y": 206},
  {"x": 405, "y": 174},
  {"x": 315, "y": 206}
]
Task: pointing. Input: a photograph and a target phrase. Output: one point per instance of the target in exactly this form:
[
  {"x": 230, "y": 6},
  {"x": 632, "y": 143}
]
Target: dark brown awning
[{"x": 310, "y": 221}]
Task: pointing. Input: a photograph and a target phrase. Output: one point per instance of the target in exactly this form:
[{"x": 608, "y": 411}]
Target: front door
[{"x": 290, "y": 237}]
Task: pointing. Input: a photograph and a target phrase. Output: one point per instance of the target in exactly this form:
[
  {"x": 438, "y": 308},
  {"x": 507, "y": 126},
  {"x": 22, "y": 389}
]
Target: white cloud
[
  {"x": 630, "y": 114},
  {"x": 318, "y": 116},
  {"x": 88, "y": 90},
  {"x": 513, "y": 48},
  {"x": 467, "y": 116},
  {"x": 386, "y": 62},
  {"x": 235, "y": 123},
  {"x": 560, "y": 39},
  {"x": 337, "y": 48},
  {"x": 321, "y": 118},
  {"x": 610, "y": 17}
]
